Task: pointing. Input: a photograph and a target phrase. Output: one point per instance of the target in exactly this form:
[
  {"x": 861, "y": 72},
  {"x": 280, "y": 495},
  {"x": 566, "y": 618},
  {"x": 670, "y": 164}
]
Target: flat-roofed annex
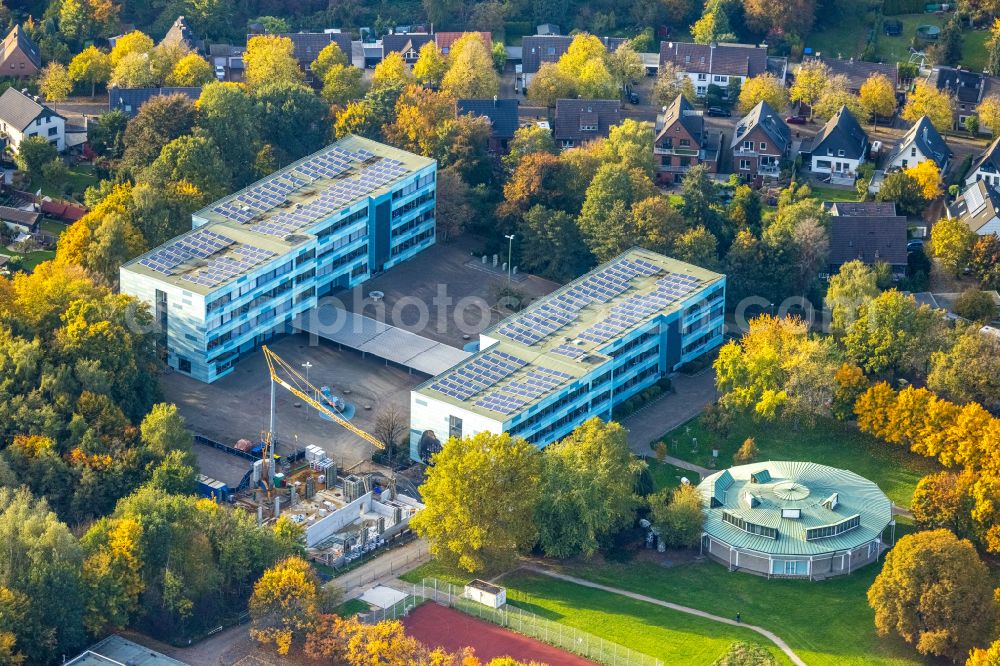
[
  {"x": 558, "y": 338},
  {"x": 271, "y": 217}
]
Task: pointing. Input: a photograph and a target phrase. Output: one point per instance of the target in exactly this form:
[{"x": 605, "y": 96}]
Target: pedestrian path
[{"x": 771, "y": 636}]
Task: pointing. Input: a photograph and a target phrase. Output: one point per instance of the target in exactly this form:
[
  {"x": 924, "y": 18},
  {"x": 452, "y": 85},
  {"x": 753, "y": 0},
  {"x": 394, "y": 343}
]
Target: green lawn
[
  {"x": 352, "y": 607},
  {"x": 54, "y": 227},
  {"x": 897, "y": 49},
  {"x": 32, "y": 259},
  {"x": 829, "y": 442},
  {"x": 827, "y": 623},
  {"x": 435, "y": 569},
  {"x": 666, "y": 475},
  {"x": 845, "y": 40},
  {"x": 833, "y": 193},
  {"x": 81, "y": 176},
  {"x": 671, "y": 636}
]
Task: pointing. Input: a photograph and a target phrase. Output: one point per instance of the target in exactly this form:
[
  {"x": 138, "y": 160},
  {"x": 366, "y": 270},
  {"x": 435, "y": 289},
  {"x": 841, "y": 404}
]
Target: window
[
  {"x": 551, "y": 50},
  {"x": 684, "y": 143},
  {"x": 763, "y": 146},
  {"x": 904, "y": 164},
  {"x": 750, "y": 528},
  {"x": 822, "y": 164},
  {"x": 913, "y": 152},
  {"x": 184, "y": 365},
  {"x": 835, "y": 529},
  {"x": 454, "y": 427},
  {"x": 53, "y": 131},
  {"x": 748, "y": 146},
  {"x": 840, "y": 152},
  {"x": 744, "y": 165},
  {"x": 790, "y": 567},
  {"x": 703, "y": 77}
]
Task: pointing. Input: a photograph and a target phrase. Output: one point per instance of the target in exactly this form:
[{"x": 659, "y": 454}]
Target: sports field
[{"x": 435, "y": 626}]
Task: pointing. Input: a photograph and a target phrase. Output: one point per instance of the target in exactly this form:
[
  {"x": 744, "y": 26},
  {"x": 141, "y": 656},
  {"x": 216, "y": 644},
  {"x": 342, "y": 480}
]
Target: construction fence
[{"x": 517, "y": 620}]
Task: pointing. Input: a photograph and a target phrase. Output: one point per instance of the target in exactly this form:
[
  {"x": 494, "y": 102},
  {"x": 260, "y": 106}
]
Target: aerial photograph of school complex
[{"x": 500, "y": 333}]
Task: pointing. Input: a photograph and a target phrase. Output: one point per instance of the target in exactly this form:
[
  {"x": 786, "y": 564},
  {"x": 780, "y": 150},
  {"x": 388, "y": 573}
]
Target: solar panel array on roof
[
  {"x": 516, "y": 394},
  {"x": 196, "y": 245},
  {"x": 600, "y": 287},
  {"x": 974, "y": 200},
  {"x": 339, "y": 194},
  {"x": 224, "y": 268},
  {"x": 478, "y": 375},
  {"x": 259, "y": 198},
  {"x": 636, "y": 308}
]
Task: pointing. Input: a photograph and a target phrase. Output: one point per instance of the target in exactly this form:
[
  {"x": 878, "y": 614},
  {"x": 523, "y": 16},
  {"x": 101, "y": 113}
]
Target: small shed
[{"x": 485, "y": 593}]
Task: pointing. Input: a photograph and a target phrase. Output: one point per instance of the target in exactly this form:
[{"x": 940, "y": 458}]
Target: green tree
[
  {"x": 292, "y": 119},
  {"x": 678, "y": 516},
  {"x": 976, "y": 306},
  {"x": 741, "y": 653},
  {"x": 951, "y": 244},
  {"x": 969, "y": 371},
  {"x": 227, "y": 116},
  {"x": 892, "y": 334},
  {"x": 134, "y": 70},
  {"x": 605, "y": 219},
  {"x": 270, "y": 60},
  {"x": 33, "y": 154},
  {"x": 905, "y": 191},
  {"x": 936, "y": 594},
  {"x": 625, "y": 65},
  {"x": 854, "y": 284},
  {"x": 587, "y": 493},
  {"x": 107, "y": 133},
  {"x": 174, "y": 474},
  {"x": 697, "y": 246},
  {"x": 342, "y": 84},
  {"x": 453, "y": 209},
  {"x": 159, "y": 121},
  {"x": 551, "y": 244},
  {"x": 90, "y": 66},
  {"x": 163, "y": 431},
  {"x": 630, "y": 145},
  {"x": 329, "y": 56},
  {"x": 470, "y": 478},
  {"x": 191, "y": 159},
  {"x": 527, "y": 140}
]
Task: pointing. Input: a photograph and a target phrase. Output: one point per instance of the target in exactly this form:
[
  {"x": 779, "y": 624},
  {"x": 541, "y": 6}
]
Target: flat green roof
[
  {"x": 268, "y": 219},
  {"x": 793, "y": 498},
  {"x": 551, "y": 354}
]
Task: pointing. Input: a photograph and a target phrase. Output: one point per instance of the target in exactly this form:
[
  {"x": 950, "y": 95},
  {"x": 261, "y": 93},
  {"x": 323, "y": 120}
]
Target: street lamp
[
  {"x": 510, "y": 253},
  {"x": 308, "y": 365}
]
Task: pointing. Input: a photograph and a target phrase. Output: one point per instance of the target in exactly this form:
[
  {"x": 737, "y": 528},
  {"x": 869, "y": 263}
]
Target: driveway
[{"x": 691, "y": 394}]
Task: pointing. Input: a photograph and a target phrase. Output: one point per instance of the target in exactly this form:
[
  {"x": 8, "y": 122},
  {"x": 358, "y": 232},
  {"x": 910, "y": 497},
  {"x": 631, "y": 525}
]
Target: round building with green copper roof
[{"x": 793, "y": 519}]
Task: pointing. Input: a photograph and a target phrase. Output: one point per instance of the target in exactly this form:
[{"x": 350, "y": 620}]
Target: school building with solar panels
[
  {"x": 785, "y": 519},
  {"x": 256, "y": 259},
  {"x": 575, "y": 353}
]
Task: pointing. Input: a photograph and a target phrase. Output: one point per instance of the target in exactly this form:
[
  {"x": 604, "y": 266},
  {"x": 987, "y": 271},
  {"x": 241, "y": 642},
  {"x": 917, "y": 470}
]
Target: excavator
[{"x": 287, "y": 377}]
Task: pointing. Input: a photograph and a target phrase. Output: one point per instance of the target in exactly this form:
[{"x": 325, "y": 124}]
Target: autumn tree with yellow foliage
[
  {"x": 928, "y": 176},
  {"x": 989, "y": 114},
  {"x": 926, "y": 100},
  {"x": 878, "y": 96},
  {"x": 763, "y": 88},
  {"x": 270, "y": 59},
  {"x": 284, "y": 603}
]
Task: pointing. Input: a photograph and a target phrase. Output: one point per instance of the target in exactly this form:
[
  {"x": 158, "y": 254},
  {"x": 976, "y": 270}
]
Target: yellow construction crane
[{"x": 287, "y": 377}]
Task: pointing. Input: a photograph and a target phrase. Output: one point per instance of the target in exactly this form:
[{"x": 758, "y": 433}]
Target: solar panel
[
  {"x": 478, "y": 375},
  {"x": 974, "y": 200},
  {"x": 198, "y": 244},
  {"x": 223, "y": 268}
]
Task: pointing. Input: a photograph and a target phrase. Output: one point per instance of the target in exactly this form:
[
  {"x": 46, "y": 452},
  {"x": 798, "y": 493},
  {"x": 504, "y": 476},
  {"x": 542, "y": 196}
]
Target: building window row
[
  {"x": 340, "y": 224},
  {"x": 836, "y": 529},
  {"x": 412, "y": 241},
  {"x": 413, "y": 224},
  {"x": 748, "y": 527},
  {"x": 248, "y": 286},
  {"x": 413, "y": 205},
  {"x": 326, "y": 269},
  {"x": 226, "y": 317}
]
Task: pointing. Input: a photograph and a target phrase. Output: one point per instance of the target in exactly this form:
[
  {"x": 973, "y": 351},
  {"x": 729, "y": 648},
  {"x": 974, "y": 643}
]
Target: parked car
[
  {"x": 719, "y": 112},
  {"x": 796, "y": 120},
  {"x": 915, "y": 245},
  {"x": 633, "y": 97}
]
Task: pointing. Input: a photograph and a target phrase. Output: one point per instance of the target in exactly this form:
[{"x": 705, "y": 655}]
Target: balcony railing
[
  {"x": 768, "y": 169},
  {"x": 682, "y": 152}
]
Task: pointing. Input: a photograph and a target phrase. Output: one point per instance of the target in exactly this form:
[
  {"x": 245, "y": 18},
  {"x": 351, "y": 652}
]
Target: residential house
[
  {"x": 979, "y": 207},
  {"x": 581, "y": 120},
  {"x": 21, "y": 221},
  {"x": 22, "y": 115},
  {"x": 921, "y": 143},
  {"x": 874, "y": 238},
  {"x": 839, "y": 148},
  {"x": 987, "y": 166},
  {"x": 19, "y": 56},
  {"x": 861, "y": 208},
  {"x": 681, "y": 142},
  {"x": 444, "y": 40},
  {"x": 761, "y": 140},
  {"x": 967, "y": 88},
  {"x": 227, "y": 60},
  {"x": 713, "y": 63},
  {"x": 181, "y": 34},
  {"x": 539, "y": 49},
  {"x": 408, "y": 45},
  {"x": 858, "y": 71},
  {"x": 502, "y": 114},
  {"x": 130, "y": 100},
  {"x": 548, "y": 29}
]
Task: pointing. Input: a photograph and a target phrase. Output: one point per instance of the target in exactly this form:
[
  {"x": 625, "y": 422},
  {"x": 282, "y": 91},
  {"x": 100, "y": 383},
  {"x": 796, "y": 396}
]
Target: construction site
[{"x": 346, "y": 512}]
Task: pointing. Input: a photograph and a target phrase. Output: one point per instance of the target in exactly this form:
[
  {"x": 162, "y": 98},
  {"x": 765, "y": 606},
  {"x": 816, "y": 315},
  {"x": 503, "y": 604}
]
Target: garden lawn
[
  {"x": 827, "y": 623},
  {"x": 666, "y": 475},
  {"x": 81, "y": 176},
  {"x": 829, "y": 442},
  {"x": 434, "y": 569},
  {"x": 54, "y": 227},
  {"x": 833, "y": 193},
  {"x": 845, "y": 40},
  {"x": 32, "y": 259},
  {"x": 671, "y": 636},
  {"x": 352, "y": 607},
  {"x": 897, "y": 49}
]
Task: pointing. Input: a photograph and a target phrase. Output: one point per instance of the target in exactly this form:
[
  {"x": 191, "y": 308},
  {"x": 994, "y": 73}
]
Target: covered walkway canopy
[{"x": 370, "y": 336}]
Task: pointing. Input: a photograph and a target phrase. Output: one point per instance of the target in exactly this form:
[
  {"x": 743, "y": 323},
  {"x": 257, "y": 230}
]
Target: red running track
[{"x": 438, "y": 626}]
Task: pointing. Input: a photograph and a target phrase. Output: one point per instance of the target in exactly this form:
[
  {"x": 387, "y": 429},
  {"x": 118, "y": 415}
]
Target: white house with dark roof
[
  {"x": 760, "y": 141},
  {"x": 22, "y": 115},
  {"x": 979, "y": 207},
  {"x": 921, "y": 143},
  {"x": 987, "y": 166},
  {"x": 713, "y": 63},
  {"x": 839, "y": 148}
]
